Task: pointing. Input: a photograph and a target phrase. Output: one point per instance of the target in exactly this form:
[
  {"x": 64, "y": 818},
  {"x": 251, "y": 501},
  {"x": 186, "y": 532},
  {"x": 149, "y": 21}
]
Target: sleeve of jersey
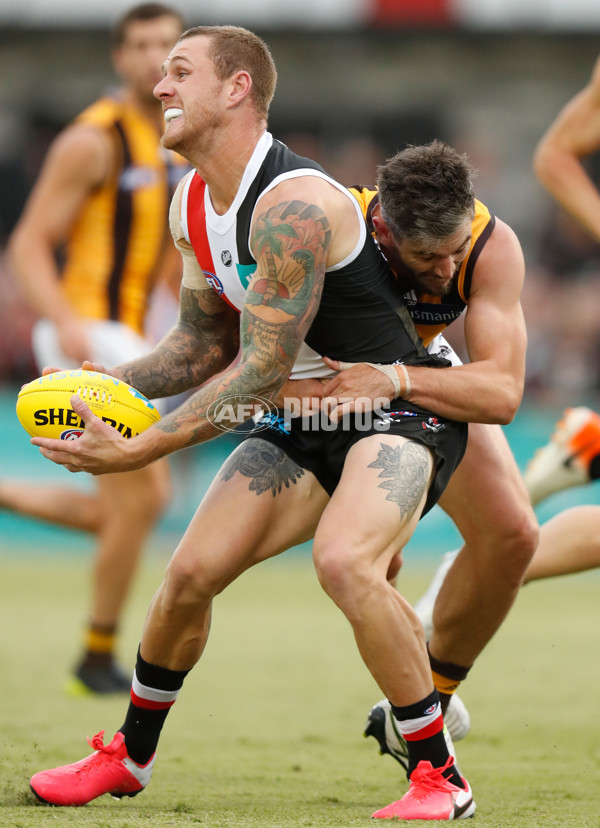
[{"x": 193, "y": 275}]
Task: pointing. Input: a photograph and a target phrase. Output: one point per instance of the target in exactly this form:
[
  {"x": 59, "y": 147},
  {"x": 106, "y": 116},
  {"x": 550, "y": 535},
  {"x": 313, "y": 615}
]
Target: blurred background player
[
  {"x": 101, "y": 203},
  {"x": 572, "y": 457},
  {"x": 570, "y": 541}
]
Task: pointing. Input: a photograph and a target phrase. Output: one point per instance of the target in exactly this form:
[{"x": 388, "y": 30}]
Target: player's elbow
[
  {"x": 547, "y": 165},
  {"x": 540, "y": 162},
  {"x": 507, "y": 403}
]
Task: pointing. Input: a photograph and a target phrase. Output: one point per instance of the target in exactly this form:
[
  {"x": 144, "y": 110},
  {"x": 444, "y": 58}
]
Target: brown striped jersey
[
  {"x": 432, "y": 314},
  {"x": 117, "y": 245}
]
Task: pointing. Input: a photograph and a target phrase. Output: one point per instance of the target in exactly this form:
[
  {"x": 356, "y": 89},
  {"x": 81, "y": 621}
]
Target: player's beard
[
  {"x": 435, "y": 288},
  {"x": 194, "y": 133},
  {"x": 425, "y": 283}
]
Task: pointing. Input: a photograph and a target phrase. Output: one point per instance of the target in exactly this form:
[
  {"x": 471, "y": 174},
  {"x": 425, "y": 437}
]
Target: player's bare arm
[
  {"x": 291, "y": 241},
  {"x": 78, "y": 162},
  {"x": 204, "y": 341},
  {"x": 573, "y": 135},
  {"x": 490, "y": 387}
]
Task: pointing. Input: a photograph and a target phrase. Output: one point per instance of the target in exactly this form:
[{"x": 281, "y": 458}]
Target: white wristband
[
  {"x": 406, "y": 379},
  {"x": 388, "y": 370}
]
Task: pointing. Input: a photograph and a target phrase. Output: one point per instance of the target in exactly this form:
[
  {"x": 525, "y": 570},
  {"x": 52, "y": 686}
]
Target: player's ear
[
  {"x": 240, "y": 86},
  {"x": 384, "y": 234}
]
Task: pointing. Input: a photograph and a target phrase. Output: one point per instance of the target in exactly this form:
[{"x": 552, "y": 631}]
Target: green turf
[{"x": 267, "y": 731}]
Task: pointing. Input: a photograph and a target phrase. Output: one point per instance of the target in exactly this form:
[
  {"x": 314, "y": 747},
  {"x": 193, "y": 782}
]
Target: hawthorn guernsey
[{"x": 44, "y": 405}]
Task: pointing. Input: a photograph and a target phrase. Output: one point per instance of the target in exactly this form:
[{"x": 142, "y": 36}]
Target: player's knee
[
  {"x": 514, "y": 533},
  {"x": 343, "y": 573},
  {"x": 512, "y": 546},
  {"x": 186, "y": 583},
  {"x": 521, "y": 538},
  {"x": 525, "y": 542}
]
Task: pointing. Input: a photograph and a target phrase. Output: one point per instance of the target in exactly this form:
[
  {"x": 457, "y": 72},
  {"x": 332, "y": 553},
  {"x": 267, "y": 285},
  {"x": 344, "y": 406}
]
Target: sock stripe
[
  {"x": 425, "y": 732},
  {"x": 146, "y": 704},
  {"x": 151, "y": 698},
  {"x": 421, "y": 727}
]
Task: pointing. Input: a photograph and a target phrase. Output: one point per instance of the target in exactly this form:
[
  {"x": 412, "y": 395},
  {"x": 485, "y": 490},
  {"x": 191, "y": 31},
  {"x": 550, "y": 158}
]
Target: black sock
[
  {"x": 153, "y": 693},
  {"x": 421, "y": 724}
]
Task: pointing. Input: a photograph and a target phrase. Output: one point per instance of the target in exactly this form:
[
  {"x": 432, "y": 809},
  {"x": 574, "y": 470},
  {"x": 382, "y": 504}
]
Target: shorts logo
[
  {"x": 388, "y": 417},
  {"x": 430, "y": 710},
  {"x": 226, "y": 258},
  {"x": 274, "y": 422},
  {"x": 433, "y": 424}
]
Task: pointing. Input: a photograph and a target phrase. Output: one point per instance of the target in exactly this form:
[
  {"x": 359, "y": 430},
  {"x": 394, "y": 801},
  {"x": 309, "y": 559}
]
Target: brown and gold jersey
[
  {"x": 118, "y": 242},
  {"x": 432, "y": 314}
]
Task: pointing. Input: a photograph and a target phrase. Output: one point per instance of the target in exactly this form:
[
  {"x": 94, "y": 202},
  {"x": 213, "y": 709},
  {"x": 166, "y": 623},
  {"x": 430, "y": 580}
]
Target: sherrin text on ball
[{"x": 44, "y": 405}]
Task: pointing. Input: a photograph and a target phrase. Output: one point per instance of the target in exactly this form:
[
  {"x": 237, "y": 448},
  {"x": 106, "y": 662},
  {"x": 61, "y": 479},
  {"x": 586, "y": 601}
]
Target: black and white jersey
[{"x": 361, "y": 315}]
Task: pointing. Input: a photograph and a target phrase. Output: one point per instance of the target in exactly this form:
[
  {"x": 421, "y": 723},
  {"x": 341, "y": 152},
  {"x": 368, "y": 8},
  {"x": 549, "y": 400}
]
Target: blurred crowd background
[{"x": 358, "y": 79}]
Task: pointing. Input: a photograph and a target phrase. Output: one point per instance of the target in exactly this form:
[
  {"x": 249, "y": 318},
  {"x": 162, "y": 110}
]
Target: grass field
[{"x": 267, "y": 731}]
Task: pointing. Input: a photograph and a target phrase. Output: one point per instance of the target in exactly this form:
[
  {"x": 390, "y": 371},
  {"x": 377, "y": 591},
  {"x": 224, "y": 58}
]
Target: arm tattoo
[
  {"x": 204, "y": 341},
  {"x": 291, "y": 242},
  {"x": 406, "y": 468},
  {"x": 267, "y": 466}
]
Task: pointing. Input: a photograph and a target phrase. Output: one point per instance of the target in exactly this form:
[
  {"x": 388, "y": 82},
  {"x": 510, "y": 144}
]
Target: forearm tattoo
[
  {"x": 204, "y": 341},
  {"x": 406, "y": 469},
  {"x": 290, "y": 242},
  {"x": 267, "y": 466}
]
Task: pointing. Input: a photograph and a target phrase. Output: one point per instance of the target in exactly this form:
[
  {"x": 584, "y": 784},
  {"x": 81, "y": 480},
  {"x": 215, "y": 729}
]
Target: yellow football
[{"x": 44, "y": 405}]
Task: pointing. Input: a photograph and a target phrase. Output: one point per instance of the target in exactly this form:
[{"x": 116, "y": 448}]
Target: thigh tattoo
[
  {"x": 406, "y": 468},
  {"x": 268, "y": 467}
]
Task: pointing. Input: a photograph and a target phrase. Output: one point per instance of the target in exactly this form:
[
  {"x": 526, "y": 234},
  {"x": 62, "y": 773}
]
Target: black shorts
[{"x": 323, "y": 451}]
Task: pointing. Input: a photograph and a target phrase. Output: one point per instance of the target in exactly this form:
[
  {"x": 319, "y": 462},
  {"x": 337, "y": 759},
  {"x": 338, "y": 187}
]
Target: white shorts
[
  {"x": 442, "y": 348},
  {"x": 112, "y": 343}
]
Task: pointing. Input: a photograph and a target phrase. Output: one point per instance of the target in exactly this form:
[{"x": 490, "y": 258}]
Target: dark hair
[
  {"x": 426, "y": 192},
  {"x": 233, "y": 48},
  {"x": 145, "y": 11}
]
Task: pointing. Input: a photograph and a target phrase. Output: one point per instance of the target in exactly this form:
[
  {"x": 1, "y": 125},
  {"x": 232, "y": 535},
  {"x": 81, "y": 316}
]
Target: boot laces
[
  {"x": 97, "y": 742},
  {"x": 425, "y": 778}
]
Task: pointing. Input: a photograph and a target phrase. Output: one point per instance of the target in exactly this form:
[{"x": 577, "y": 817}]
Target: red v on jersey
[{"x": 196, "y": 222}]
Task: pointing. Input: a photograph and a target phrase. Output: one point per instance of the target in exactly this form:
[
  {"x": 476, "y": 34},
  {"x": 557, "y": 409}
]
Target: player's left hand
[
  {"x": 355, "y": 388},
  {"x": 99, "y": 450}
]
